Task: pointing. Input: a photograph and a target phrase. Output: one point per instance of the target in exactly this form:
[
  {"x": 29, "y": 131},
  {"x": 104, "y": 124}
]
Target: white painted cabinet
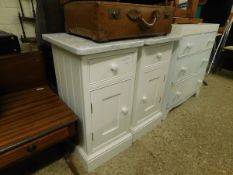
[
  {"x": 97, "y": 81},
  {"x": 153, "y": 63},
  {"x": 151, "y": 93},
  {"x": 99, "y": 89},
  {"x": 120, "y": 90}
]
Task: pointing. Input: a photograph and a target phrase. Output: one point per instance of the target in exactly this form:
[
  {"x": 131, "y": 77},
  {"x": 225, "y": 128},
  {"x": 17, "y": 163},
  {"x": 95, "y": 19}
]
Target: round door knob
[
  {"x": 144, "y": 99},
  {"x": 114, "y": 67},
  {"x": 189, "y": 45},
  {"x": 199, "y": 81},
  {"x": 178, "y": 93},
  {"x": 184, "y": 69},
  {"x": 159, "y": 55},
  {"x": 124, "y": 110}
]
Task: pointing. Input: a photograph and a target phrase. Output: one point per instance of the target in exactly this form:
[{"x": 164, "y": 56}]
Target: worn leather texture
[{"x": 104, "y": 21}]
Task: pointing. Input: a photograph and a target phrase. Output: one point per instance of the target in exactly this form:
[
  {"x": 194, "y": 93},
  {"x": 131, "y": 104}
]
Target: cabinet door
[
  {"x": 110, "y": 111},
  {"x": 151, "y": 87}
]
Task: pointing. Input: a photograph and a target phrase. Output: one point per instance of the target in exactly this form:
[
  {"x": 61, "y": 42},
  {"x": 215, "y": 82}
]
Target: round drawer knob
[
  {"x": 184, "y": 69},
  {"x": 159, "y": 55},
  {"x": 114, "y": 67},
  {"x": 124, "y": 110},
  {"x": 144, "y": 99},
  {"x": 189, "y": 45},
  {"x": 178, "y": 93}
]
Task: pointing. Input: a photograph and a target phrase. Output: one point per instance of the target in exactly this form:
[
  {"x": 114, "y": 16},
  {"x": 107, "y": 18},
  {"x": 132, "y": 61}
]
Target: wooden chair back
[{"x": 189, "y": 13}]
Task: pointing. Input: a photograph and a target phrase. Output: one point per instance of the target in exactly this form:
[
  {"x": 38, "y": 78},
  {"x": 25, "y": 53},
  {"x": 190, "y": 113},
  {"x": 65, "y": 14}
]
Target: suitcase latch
[
  {"x": 167, "y": 14},
  {"x": 114, "y": 13}
]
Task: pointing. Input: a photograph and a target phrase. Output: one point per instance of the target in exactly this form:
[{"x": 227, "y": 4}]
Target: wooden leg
[
  {"x": 70, "y": 164},
  {"x": 205, "y": 83}
]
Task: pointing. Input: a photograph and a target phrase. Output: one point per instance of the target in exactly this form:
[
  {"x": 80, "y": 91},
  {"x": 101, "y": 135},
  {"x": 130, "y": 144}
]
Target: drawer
[
  {"x": 185, "y": 89},
  {"x": 152, "y": 55},
  {"x": 191, "y": 64},
  {"x": 208, "y": 40},
  {"x": 196, "y": 43},
  {"x": 199, "y": 78},
  {"x": 111, "y": 66},
  {"x": 32, "y": 147}
]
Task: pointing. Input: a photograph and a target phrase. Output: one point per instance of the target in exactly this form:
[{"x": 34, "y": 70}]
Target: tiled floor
[{"x": 195, "y": 139}]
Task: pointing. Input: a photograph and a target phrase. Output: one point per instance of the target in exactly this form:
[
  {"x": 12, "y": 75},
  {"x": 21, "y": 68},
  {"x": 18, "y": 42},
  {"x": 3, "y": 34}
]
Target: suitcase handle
[{"x": 136, "y": 16}]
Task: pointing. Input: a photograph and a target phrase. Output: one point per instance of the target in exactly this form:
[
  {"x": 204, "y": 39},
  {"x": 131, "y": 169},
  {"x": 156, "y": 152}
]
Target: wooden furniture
[
  {"x": 32, "y": 117},
  {"x": 116, "y": 88},
  {"x": 185, "y": 16},
  {"x": 187, "y": 20},
  {"x": 189, "y": 62},
  {"x": 190, "y": 12}
]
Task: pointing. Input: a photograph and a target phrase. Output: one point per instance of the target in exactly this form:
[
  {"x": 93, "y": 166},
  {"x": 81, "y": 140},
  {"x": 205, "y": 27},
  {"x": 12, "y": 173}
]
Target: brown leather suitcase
[{"x": 104, "y": 21}]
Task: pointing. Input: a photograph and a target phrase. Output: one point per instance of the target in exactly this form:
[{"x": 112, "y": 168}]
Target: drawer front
[
  {"x": 180, "y": 92},
  {"x": 208, "y": 40},
  {"x": 196, "y": 43},
  {"x": 39, "y": 144},
  {"x": 176, "y": 95},
  {"x": 191, "y": 64},
  {"x": 156, "y": 54},
  {"x": 112, "y": 66}
]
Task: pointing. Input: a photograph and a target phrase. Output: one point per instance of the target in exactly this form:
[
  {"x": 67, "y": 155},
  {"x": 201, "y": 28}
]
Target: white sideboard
[
  {"x": 115, "y": 88},
  {"x": 190, "y": 58},
  {"x": 120, "y": 90}
]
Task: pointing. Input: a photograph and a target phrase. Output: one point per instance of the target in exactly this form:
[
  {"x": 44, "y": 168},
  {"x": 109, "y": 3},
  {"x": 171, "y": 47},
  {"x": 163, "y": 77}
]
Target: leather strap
[{"x": 136, "y": 16}]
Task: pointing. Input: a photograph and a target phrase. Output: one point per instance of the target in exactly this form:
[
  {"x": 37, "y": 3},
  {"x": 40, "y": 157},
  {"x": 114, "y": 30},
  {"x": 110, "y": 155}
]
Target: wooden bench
[{"x": 32, "y": 117}]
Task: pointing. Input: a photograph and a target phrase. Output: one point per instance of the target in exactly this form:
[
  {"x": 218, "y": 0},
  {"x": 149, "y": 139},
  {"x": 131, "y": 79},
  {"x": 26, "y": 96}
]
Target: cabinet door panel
[
  {"x": 110, "y": 111},
  {"x": 150, "y": 95}
]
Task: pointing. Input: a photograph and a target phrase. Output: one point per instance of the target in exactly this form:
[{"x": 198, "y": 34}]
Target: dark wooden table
[{"x": 32, "y": 116}]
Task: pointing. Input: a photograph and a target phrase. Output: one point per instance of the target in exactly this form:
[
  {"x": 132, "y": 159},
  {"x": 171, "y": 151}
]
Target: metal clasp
[{"x": 114, "y": 13}]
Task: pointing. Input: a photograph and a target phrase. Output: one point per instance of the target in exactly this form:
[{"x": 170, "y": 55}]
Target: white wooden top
[
  {"x": 190, "y": 29},
  {"x": 161, "y": 39},
  {"x": 82, "y": 46}
]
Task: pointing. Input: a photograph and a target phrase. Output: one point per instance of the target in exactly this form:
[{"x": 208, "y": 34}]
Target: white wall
[{"x": 9, "y": 21}]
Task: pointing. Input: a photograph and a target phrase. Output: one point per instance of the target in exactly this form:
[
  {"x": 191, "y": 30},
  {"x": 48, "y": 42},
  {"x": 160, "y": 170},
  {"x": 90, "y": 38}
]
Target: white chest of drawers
[
  {"x": 120, "y": 90},
  {"x": 189, "y": 61},
  {"x": 97, "y": 81}
]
